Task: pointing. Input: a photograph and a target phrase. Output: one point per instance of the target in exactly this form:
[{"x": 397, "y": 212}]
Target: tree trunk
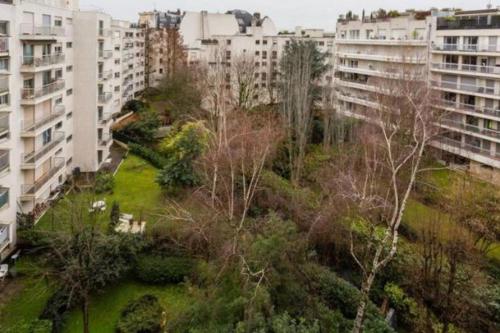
[
  {"x": 365, "y": 293},
  {"x": 85, "y": 313}
]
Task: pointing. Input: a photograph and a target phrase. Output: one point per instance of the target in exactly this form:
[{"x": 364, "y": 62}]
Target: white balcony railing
[
  {"x": 4, "y": 160},
  {"x": 467, "y": 68},
  {"x": 4, "y": 84},
  {"x": 464, "y": 86},
  {"x": 4, "y": 124},
  {"x": 29, "y": 125},
  {"x": 4, "y": 196},
  {"x": 4, "y": 44},
  {"x": 103, "y": 98},
  {"x": 470, "y": 108},
  {"x": 32, "y": 189},
  {"x": 4, "y": 233},
  {"x": 46, "y": 60},
  {"x": 105, "y": 75},
  {"x": 105, "y": 139},
  {"x": 37, "y": 153},
  {"x": 29, "y": 29},
  {"x": 467, "y": 47},
  {"x": 33, "y": 93},
  {"x": 105, "y": 54},
  {"x": 471, "y": 128}
]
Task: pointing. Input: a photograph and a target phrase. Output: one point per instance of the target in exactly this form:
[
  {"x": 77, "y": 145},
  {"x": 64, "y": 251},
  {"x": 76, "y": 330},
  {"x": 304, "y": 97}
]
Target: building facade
[{"x": 59, "y": 88}]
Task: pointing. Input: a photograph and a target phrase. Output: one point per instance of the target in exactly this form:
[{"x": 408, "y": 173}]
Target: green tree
[
  {"x": 180, "y": 150},
  {"x": 114, "y": 216}
]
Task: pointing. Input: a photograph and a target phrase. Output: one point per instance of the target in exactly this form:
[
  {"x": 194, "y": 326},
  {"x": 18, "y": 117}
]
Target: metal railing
[
  {"x": 33, "y": 93},
  {"x": 4, "y": 229},
  {"x": 464, "y": 86},
  {"x": 104, "y": 97},
  {"x": 468, "y": 68},
  {"x": 466, "y": 47},
  {"x": 467, "y": 147},
  {"x": 471, "y": 128},
  {"x": 4, "y": 44},
  {"x": 105, "y": 117},
  {"x": 36, "y": 154},
  {"x": 4, "y": 160},
  {"x": 469, "y": 22},
  {"x": 4, "y": 124},
  {"x": 46, "y": 60},
  {"x": 105, "y": 54},
  {"x": 32, "y": 189},
  {"x": 103, "y": 32},
  {"x": 33, "y": 30},
  {"x": 105, "y": 139},
  {"x": 4, "y": 84},
  {"x": 33, "y": 124},
  {"x": 4, "y": 196},
  {"x": 470, "y": 107},
  {"x": 106, "y": 75}
]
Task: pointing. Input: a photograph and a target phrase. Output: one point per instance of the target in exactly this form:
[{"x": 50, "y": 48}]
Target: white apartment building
[
  {"x": 58, "y": 88},
  {"x": 465, "y": 70},
  {"x": 216, "y": 38},
  {"x": 460, "y": 54}
]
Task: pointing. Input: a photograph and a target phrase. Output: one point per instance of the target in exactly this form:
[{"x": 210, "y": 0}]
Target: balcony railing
[
  {"x": 33, "y": 93},
  {"x": 469, "y": 22},
  {"x": 32, "y": 30},
  {"x": 105, "y": 139},
  {"x": 104, "y": 97},
  {"x": 104, "y": 32},
  {"x": 105, "y": 54},
  {"x": 4, "y": 124},
  {"x": 46, "y": 60},
  {"x": 467, "y": 47},
  {"x": 470, "y": 108},
  {"x": 34, "y": 124},
  {"x": 4, "y": 84},
  {"x": 467, "y": 68},
  {"x": 4, "y": 196},
  {"x": 467, "y": 147},
  {"x": 32, "y": 189},
  {"x": 36, "y": 154},
  {"x": 106, "y": 75},
  {"x": 4, "y": 160},
  {"x": 4, "y": 232},
  {"x": 471, "y": 128},
  {"x": 105, "y": 117},
  {"x": 464, "y": 86},
  {"x": 4, "y": 44}
]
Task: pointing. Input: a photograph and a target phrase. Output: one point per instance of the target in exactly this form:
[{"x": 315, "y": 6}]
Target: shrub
[
  {"x": 156, "y": 269},
  {"x": 406, "y": 307},
  {"x": 55, "y": 309},
  {"x": 114, "y": 216},
  {"x": 104, "y": 182},
  {"x": 143, "y": 315},
  {"x": 134, "y": 105},
  {"x": 148, "y": 154},
  {"x": 40, "y": 326}
]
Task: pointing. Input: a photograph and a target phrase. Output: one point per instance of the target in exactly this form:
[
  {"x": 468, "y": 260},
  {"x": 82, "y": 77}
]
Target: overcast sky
[{"x": 286, "y": 13}]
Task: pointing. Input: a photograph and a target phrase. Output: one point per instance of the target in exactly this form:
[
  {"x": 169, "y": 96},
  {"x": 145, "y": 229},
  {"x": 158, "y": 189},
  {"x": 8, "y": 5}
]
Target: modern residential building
[
  {"x": 59, "y": 88},
  {"x": 465, "y": 70},
  {"x": 459, "y": 54}
]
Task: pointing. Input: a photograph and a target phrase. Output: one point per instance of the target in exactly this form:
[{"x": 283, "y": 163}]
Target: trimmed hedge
[
  {"x": 148, "y": 154},
  {"x": 161, "y": 270},
  {"x": 143, "y": 315}
]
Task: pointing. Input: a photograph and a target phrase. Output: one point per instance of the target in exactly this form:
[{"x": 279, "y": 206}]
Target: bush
[
  {"x": 134, "y": 105},
  {"x": 104, "y": 182},
  {"x": 55, "y": 309},
  {"x": 156, "y": 269},
  {"x": 148, "y": 154},
  {"x": 143, "y": 315},
  {"x": 40, "y": 326},
  {"x": 406, "y": 307}
]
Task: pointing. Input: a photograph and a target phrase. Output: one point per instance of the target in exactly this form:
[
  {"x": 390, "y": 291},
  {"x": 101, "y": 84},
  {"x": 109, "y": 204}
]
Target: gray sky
[{"x": 286, "y": 13}]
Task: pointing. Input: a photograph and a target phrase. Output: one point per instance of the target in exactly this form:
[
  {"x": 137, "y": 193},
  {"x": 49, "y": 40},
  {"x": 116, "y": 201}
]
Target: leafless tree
[
  {"x": 379, "y": 180},
  {"x": 244, "y": 71}
]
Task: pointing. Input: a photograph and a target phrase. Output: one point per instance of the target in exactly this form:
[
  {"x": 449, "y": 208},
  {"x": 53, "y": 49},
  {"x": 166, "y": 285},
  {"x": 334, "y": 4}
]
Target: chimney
[{"x": 256, "y": 16}]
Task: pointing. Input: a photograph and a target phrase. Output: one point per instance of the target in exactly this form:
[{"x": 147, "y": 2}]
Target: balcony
[
  {"x": 4, "y": 45},
  {"x": 470, "y": 88},
  {"x": 105, "y": 118},
  {"x": 32, "y": 32},
  {"x": 29, "y": 160},
  {"x": 105, "y": 140},
  {"x": 105, "y": 54},
  {"x": 485, "y": 70},
  {"x": 4, "y": 233},
  {"x": 384, "y": 58},
  {"x": 29, "y": 127},
  {"x": 106, "y": 75},
  {"x": 4, "y": 84},
  {"x": 474, "y": 48},
  {"x": 30, "y": 190},
  {"x": 33, "y": 63},
  {"x": 469, "y": 22},
  {"x": 104, "y": 98},
  {"x": 4, "y": 160},
  {"x": 466, "y": 150},
  {"x": 31, "y": 94},
  {"x": 382, "y": 41},
  {"x": 4, "y": 197},
  {"x": 103, "y": 33},
  {"x": 469, "y": 108},
  {"x": 4, "y": 126},
  {"x": 471, "y": 129}
]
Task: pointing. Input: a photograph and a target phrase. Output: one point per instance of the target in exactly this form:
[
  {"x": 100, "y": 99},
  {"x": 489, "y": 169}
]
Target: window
[
  {"x": 69, "y": 92},
  {"x": 117, "y": 61},
  {"x": 69, "y": 115},
  {"x": 69, "y": 138},
  {"x": 69, "y": 21},
  {"x": 69, "y": 45},
  {"x": 117, "y": 88},
  {"x": 46, "y": 20},
  {"x": 4, "y": 64},
  {"x": 117, "y": 75},
  {"x": 264, "y": 42},
  {"x": 228, "y": 42},
  {"x": 257, "y": 42},
  {"x": 47, "y": 136},
  {"x": 59, "y": 74},
  {"x": 4, "y": 28},
  {"x": 59, "y": 125},
  {"x": 58, "y": 21},
  {"x": 69, "y": 69}
]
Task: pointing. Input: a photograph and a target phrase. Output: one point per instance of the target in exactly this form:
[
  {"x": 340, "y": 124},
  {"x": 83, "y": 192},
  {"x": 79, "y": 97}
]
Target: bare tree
[
  {"x": 244, "y": 76},
  {"x": 379, "y": 180}
]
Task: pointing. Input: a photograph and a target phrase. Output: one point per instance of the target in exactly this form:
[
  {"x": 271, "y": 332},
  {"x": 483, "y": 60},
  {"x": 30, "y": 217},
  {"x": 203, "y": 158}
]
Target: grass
[
  {"x": 105, "y": 309},
  {"x": 135, "y": 190}
]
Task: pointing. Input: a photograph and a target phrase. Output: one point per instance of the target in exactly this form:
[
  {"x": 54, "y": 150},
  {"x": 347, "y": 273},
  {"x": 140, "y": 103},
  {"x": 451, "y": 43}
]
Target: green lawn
[
  {"x": 135, "y": 190},
  {"x": 105, "y": 309}
]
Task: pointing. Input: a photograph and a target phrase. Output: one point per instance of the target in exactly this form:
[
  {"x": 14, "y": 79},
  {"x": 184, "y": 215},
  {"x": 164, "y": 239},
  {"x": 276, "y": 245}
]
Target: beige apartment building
[{"x": 60, "y": 84}]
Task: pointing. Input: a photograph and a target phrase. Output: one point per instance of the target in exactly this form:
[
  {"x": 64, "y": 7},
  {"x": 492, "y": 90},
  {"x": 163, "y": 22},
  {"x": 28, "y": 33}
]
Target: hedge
[{"x": 148, "y": 154}]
